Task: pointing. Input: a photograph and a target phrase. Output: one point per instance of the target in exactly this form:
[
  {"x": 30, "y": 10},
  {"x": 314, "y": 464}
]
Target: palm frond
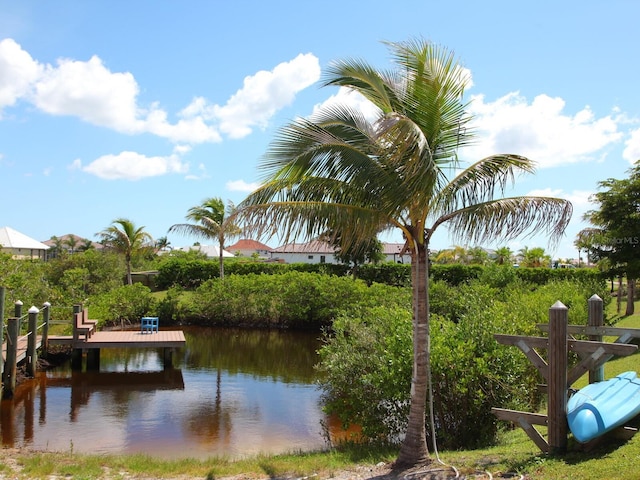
[{"x": 508, "y": 218}]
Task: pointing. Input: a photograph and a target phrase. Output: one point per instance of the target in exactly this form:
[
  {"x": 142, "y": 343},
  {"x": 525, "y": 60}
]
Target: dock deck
[{"x": 125, "y": 339}]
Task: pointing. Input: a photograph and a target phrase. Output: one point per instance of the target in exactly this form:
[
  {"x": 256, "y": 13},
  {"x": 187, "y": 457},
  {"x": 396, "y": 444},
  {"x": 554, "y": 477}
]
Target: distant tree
[
  {"x": 72, "y": 242},
  {"x": 503, "y": 255},
  {"x": 127, "y": 239},
  {"x": 211, "y": 221},
  {"x": 162, "y": 243},
  {"x": 617, "y": 233},
  {"x": 369, "y": 250},
  {"x": 534, "y": 257},
  {"x": 457, "y": 254},
  {"x": 477, "y": 256}
]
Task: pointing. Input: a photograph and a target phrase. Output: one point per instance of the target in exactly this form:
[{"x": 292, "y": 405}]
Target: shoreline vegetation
[{"x": 513, "y": 456}]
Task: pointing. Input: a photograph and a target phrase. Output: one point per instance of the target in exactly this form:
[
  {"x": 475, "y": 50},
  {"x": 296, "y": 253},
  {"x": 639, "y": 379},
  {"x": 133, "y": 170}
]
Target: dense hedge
[
  {"x": 191, "y": 272},
  {"x": 288, "y": 300}
]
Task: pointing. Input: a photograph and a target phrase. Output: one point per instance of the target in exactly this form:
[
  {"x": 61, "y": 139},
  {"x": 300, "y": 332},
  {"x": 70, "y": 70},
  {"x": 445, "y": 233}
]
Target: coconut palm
[
  {"x": 212, "y": 221},
  {"x": 339, "y": 170},
  {"x": 124, "y": 237}
]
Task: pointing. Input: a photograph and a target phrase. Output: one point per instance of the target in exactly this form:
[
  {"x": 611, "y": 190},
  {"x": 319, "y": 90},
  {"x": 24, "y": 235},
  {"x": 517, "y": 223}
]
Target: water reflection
[{"x": 230, "y": 392}]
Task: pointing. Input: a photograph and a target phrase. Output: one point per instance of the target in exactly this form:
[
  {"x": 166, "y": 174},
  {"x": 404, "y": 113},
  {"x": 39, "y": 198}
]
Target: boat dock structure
[{"x": 86, "y": 341}]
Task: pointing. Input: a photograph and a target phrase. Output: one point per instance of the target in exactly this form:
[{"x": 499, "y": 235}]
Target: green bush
[
  {"x": 127, "y": 304},
  {"x": 366, "y": 360},
  {"x": 291, "y": 299}
]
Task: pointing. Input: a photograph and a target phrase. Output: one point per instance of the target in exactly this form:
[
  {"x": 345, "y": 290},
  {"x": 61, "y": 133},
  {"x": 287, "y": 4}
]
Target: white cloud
[
  {"x": 351, "y": 99},
  {"x": 264, "y": 93},
  {"x": 133, "y": 166},
  {"x": 540, "y": 130},
  {"x": 631, "y": 151},
  {"x": 242, "y": 186},
  {"x": 93, "y": 93},
  {"x": 18, "y": 71}
]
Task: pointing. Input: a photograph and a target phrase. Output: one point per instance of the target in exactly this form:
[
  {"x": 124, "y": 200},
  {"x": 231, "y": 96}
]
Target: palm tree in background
[
  {"x": 341, "y": 171},
  {"x": 125, "y": 238},
  {"x": 211, "y": 221},
  {"x": 503, "y": 256}
]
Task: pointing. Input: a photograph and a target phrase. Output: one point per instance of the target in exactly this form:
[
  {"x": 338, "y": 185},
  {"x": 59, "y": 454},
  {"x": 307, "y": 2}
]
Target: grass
[{"x": 515, "y": 452}]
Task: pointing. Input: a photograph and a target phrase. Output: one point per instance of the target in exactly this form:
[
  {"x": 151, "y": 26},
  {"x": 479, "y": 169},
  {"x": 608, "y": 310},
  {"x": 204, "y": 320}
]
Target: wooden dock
[
  {"x": 85, "y": 340},
  {"x": 124, "y": 339}
]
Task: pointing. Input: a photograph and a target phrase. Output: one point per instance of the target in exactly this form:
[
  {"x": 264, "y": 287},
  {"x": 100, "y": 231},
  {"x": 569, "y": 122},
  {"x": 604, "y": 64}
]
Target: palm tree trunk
[
  {"x": 128, "y": 260},
  {"x": 414, "y": 449},
  {"x": 631, "y": 296},
  {"x": 221, "y": 260}
]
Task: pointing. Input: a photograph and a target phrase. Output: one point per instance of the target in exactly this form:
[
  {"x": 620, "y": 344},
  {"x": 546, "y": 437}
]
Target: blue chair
[{"x": 149, "y": 324}]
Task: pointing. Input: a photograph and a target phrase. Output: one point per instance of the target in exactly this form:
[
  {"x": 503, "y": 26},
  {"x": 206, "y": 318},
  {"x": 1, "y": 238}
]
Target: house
[
  {"x": 211, "y": 251},
  {"x": 20, "y": 246},
  {"x": 310, "y": 252},
  {"x": 249, "y": 248},
  {"x": 396, "y": 253}
]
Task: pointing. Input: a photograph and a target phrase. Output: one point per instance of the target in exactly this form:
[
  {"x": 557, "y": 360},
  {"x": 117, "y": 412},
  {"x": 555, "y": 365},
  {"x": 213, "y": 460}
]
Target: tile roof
[{"x": 247, "y": 244}]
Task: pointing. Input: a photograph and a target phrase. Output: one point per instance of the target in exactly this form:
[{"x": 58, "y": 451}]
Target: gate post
[
  {"x": 10, "y": 366},
  {"x": 596, "y": 319},
  {"x": 2, "y": 339},
  {"x": 32, "y": 337},
  {"x": 46, "y": 317},
  {"x": 558, "y": 347}
]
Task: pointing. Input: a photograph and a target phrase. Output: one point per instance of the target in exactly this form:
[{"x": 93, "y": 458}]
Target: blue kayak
[{"x": 602, "y": 406}]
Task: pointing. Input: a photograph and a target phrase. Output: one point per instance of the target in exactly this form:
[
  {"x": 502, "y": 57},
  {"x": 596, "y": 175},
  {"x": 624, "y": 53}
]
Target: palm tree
[
  {"x": 125, "y": 238},
  {"x": 503, "y": 255},
  {"x": 339, "y": 170},
  {"x": 212, "y": 221}
]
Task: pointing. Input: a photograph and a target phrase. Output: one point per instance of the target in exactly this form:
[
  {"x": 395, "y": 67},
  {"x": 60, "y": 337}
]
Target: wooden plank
[
  {"x": 601, "y": 331},
  {"x": 620, "y": 349},
  {"x": 514, "y": 415},
  {"x": 533, "y": 342},
  {"x": 525, "y": 420}
]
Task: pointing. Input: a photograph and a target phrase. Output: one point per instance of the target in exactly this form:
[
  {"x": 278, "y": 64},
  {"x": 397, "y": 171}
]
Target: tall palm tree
[
  {"x": 212, "y": 221},
  {"x": 339, "y": 170},
  {"x": 125, "y": 238}
]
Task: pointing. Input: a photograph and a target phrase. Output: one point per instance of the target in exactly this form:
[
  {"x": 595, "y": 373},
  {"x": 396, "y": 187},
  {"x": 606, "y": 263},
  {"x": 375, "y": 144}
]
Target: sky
[{"x": 142, "y": 110}]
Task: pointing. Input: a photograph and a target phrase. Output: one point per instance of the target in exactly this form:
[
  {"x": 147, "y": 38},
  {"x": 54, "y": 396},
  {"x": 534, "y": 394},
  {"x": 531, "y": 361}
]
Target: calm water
[{"x": 231, "y": 392}]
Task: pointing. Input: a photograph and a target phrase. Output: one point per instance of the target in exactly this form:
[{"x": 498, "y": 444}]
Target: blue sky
[{"x": 143, "y": 109}]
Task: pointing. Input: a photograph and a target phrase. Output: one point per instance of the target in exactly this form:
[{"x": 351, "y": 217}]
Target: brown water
[{"x": 231, "y": 393}]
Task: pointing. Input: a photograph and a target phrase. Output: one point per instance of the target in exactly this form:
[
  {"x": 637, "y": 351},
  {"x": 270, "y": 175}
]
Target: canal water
[{"x": 231, "y": 392}]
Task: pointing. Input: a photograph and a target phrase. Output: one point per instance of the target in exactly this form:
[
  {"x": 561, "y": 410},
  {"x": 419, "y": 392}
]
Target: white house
[
  {"x": 396, "y": 253},
  {"x": 310, "y": 252},
  {"x": 211, "y": 251},
  {"x": 20, "y": 246}
]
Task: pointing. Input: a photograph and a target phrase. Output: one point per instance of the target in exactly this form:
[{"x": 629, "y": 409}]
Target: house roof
[
  {"x": 10, "y": 238},
  {"x": 314, "y": 246},
  {"x": 394, "y": 248},
  {"x": 246, "y": 244},
  {"x": 63, "y": 239}
]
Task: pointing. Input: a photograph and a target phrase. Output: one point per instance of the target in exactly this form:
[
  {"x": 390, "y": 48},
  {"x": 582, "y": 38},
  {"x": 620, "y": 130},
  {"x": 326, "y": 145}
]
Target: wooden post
[
  {"x": 76, "y": 353},
  {"x": 10, "y": 367},
  {"x": 2, "y": 339},
  {"x": 596, "y": 319},
  {"x": 32, "y": 337},
  {"x": 558, "y": 347},
  {"x": 46, "y": 318},
  {"x": 17, "y": 312}
]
